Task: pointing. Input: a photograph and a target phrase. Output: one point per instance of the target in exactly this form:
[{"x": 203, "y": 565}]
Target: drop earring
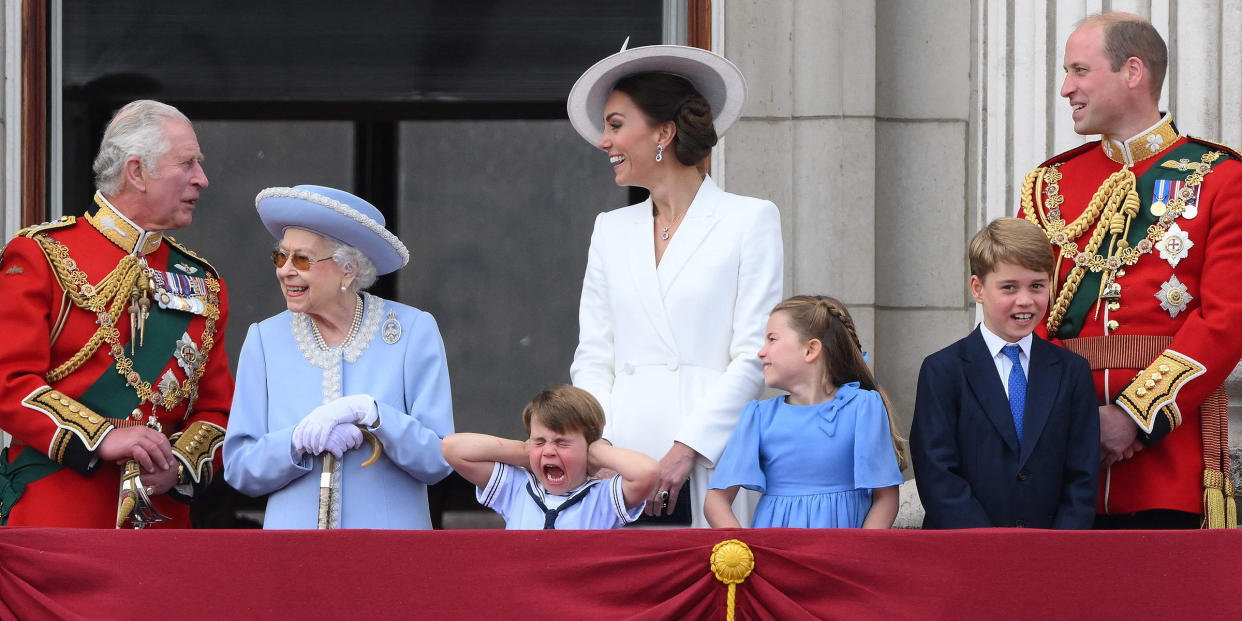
[
  {"x": 659, "y": 153},
  {"x": 342, "y": 287}
]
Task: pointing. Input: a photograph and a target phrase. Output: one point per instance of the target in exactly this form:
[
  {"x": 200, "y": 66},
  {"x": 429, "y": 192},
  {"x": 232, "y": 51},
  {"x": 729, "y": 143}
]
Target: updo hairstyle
[{"x": 666, "y": 97}]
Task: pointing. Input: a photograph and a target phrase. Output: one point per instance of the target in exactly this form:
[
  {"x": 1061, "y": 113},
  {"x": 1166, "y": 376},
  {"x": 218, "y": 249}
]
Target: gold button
[
  {"x": 136, "y": 414},
  {"x": 75, "y": 409},
  {"x": 53, "y": 394},
  {"x": 94, "y": 419},
  {"x": 64, "y": 402},
  {"x": 1164, "y": 368},
  {"x": 1141, "y": 392},
  {"x": 1112, "y": 325},
  {"x": 1121, "y": 273},
  {"x": 1157, "y": 376},
  {"x": 1149, "y": 384},
  {"x": 1114, "y": 306}
]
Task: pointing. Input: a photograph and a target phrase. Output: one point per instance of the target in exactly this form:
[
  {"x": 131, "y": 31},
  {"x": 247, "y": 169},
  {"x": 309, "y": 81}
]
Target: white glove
[
  {"x": 343, "y": 437},
  {"x": 311, "y": 435}
]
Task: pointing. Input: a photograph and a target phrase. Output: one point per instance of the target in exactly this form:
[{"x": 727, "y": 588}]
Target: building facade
[{"x": 887, "y": 132}]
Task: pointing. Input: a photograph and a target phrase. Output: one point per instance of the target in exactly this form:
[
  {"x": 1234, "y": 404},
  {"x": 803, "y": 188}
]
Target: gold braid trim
[
  {"x": 196, "y": 447},
  {"x": 107, "y": 300},
  {"x": 71, "y": 417},
  {"x": 1156, "y": 387},
  {"x": 1108, "y": 199},
  {"x": 1114, "y": 206}
]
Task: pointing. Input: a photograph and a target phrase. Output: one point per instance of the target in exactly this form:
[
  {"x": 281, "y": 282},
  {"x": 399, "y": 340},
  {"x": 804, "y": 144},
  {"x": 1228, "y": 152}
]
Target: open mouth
[
  {"x": 553, "y": 474},
  {"x": 616, "y": 159},
  {"x": 294, "y": 291},
  {"x": 1022, "y": 316}
]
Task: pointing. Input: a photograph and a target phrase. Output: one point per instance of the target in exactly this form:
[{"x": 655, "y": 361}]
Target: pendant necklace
[{"x": 664, "y": 233}]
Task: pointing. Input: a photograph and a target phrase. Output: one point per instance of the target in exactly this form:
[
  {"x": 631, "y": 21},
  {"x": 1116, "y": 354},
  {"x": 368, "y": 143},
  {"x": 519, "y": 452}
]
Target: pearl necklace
[{"x": 353, "y": 327}]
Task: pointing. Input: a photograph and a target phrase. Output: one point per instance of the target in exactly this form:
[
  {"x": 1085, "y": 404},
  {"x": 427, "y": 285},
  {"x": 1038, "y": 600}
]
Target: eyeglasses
[{"x": 301, "y": 262}]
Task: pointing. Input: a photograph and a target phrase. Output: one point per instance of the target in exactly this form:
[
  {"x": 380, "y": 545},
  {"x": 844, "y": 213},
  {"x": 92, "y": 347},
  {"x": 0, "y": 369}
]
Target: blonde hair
[
  {"x": 566, "y": 409},
  {"x": 825, "y": 319},
  {"x": 1010, "y": 240}
]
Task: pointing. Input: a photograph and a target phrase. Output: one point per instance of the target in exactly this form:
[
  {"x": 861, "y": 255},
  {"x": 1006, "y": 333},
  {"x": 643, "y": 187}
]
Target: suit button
[
  {"x": 672, "y": 364},
  {"x": 1020, "y": 524},
  {"x": 1023, "y": 475}
]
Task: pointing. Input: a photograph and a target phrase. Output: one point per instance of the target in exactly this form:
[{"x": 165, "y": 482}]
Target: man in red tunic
[
  {"x": 1148, "y": 225},
  {"x": 113, "y": 340}
]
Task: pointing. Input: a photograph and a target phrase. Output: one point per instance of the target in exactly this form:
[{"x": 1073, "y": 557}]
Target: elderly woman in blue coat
[{"x": 339, "y": 361}]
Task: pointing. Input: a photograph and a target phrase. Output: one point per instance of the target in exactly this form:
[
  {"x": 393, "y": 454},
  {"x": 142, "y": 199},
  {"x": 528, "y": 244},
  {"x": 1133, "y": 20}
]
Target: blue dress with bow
[{"x": 815, "y": 465}]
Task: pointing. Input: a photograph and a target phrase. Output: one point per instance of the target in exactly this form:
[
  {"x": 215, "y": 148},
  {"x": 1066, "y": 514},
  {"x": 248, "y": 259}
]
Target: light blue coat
[{"x": 277, "y": 386}]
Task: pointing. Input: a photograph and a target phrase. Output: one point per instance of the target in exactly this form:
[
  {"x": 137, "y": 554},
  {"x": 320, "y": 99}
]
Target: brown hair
[
  {"x": 1126, "y": 36},
  {"x": 825, "y": 319},
  {"x": 665, "y": 97},
  {"x": 1010, "y": 240},
  {"x": 566, "y": 409}
]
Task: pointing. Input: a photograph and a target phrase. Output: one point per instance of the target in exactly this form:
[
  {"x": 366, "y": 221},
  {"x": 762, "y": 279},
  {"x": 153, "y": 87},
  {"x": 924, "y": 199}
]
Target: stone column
[{"x": 806, "y": 139}]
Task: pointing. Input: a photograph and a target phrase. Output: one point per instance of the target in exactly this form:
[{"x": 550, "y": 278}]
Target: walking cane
[{"x": 329, "y": 494}]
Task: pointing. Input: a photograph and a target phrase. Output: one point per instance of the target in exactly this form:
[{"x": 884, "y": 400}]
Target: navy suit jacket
[{"x": 969, "y": 467}]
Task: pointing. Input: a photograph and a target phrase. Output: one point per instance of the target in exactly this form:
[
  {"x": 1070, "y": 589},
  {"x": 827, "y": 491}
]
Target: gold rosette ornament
[{"x": 731, "y": 562}]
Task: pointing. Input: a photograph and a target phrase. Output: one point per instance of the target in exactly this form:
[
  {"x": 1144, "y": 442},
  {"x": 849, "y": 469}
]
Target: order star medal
[
  {"x": 187, "y": 354},
  {"x": 1175, "y": 245},
  {"x": 391, "y": 330},
  {"x": 1173, "y": 296}
]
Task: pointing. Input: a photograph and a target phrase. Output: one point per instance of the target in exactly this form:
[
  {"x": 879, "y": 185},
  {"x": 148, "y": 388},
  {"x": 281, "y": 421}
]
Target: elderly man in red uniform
[
  {"x": 112, "y": 362},
  {"x": 1148, "y": 225}
]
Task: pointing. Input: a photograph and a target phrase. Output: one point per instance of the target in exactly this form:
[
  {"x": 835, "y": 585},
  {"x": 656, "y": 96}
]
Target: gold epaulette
[
  {"x": 191, "y": 253},
  {"x": 35, "y": 229},
  {"x": 196, "y": 447}
]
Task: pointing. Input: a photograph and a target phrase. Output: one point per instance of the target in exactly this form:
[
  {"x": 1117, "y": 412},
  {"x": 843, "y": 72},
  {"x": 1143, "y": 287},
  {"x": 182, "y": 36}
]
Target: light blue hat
[{"x": 336, "y": 214}]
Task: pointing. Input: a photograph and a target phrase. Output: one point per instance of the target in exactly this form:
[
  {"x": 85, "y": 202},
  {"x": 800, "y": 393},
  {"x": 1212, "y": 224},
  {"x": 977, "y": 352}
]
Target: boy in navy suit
[{"x": 1005, "y": 427}]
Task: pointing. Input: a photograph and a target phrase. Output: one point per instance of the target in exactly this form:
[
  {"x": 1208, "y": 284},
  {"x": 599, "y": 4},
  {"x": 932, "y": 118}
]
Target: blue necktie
[{"x": 1017, "y": 388}]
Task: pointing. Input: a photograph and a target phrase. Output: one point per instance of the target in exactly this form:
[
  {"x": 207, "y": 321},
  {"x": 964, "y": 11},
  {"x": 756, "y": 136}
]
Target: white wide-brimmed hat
[
  {"x": 336, "y": 214},
  {"x": 719, "y": 81}
]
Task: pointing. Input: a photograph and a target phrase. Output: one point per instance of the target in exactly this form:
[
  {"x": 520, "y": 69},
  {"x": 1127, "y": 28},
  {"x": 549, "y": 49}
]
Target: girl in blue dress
[{"x": 826, "y": 455}]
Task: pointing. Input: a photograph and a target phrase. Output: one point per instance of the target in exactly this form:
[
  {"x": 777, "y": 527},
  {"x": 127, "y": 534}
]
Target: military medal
[
  {"x": 1173, "y": 296},
  {"x": 187, "y": 354},
  {"x": 391, "y": 331},
  {"x": 1175, "y": 245}
]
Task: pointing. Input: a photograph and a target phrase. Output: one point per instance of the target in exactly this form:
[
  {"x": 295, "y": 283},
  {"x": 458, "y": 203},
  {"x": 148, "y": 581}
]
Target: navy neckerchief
[{"x": 550, "y": 515}]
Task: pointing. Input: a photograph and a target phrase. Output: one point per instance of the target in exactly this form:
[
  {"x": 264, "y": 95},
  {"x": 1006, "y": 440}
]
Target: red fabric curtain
[{"x": 49, "y": 573}]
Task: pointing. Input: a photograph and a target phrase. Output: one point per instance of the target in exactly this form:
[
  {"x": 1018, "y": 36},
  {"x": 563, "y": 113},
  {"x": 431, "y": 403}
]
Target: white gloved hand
[
  {"x": 311, "y": 435},
  {"x": 343, "y": 437}
]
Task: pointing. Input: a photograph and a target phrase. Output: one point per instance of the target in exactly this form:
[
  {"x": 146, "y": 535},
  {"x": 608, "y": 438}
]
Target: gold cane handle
[{"x": 377, "y": 448}]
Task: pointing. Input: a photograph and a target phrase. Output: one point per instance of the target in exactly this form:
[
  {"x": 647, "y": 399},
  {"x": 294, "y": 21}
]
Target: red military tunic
[
  {"x": 61, "y": 393},
  {"x": 1180, "y": 278}
]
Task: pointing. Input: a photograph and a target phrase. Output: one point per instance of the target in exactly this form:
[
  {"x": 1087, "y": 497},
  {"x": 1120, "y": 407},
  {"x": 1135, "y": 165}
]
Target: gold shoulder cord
[
  {"x": 1115, "y": 202},
  {"x": 107, "y": 300}
]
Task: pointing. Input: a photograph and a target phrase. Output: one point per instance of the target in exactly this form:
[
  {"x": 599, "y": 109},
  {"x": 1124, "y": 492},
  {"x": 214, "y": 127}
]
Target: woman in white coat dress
[{"x": 678, "y": 287}]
